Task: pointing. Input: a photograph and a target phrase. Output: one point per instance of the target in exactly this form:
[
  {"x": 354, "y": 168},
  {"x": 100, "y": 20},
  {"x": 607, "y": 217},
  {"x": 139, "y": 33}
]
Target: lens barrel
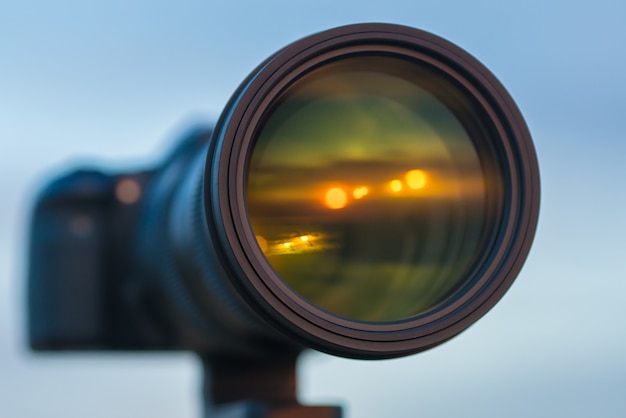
[{"x": 371, "y": 190}]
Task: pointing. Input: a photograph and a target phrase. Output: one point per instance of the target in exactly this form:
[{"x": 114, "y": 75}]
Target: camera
[
  {"x": 369, "y": 191},
  {"x": 106, "y": 272}
]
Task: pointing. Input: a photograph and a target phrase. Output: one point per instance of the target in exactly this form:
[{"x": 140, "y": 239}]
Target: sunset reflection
[
  {"x": 336, "y": 198},
  {"x": 360, "y": 192},
  {"x": 367, "y": 191},
  {"x": 395, "y": 185},
  {"x": 416, "y": 179}
]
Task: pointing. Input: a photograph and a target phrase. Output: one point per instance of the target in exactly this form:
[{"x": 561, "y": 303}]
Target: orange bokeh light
[
  {"x": 360, "y": 192},
  {"x": 395, "y": 185},
  {"x": 416, "y": 179},
  {"x": 336, "y": 198}
]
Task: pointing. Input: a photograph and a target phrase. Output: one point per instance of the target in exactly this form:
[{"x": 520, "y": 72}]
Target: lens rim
[{"x": 270, "y": 296}]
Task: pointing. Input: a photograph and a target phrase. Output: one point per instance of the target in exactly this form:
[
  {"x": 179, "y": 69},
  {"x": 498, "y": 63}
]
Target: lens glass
[{"x": 365, "y": 190}]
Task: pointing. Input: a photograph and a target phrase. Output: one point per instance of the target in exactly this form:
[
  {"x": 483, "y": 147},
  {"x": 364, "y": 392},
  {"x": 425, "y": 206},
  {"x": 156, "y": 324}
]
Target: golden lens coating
[{"x": 365, "y": 191}]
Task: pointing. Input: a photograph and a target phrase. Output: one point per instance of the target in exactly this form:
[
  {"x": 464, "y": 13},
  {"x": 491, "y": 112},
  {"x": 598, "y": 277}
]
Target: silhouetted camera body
[
  {"x": 369, "y": 191},
  {"x": 105, "y": 267}
]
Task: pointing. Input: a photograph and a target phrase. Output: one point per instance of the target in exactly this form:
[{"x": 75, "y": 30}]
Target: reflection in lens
[{"x": 365, "y": 191}]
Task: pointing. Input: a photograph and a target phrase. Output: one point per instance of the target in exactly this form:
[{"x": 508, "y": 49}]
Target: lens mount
[{"x": 502, "y": 142}]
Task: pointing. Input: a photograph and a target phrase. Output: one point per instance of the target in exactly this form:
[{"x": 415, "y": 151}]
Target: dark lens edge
[{"x": 273, "y": 301}]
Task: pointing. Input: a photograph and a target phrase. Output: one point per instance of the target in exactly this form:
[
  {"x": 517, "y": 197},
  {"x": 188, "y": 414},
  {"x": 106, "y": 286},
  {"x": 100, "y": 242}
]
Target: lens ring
[{"x": 509, "y": 142}]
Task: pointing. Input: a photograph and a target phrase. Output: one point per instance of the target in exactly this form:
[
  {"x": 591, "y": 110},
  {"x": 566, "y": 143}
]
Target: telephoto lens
[{"x": 371, "y": 191}]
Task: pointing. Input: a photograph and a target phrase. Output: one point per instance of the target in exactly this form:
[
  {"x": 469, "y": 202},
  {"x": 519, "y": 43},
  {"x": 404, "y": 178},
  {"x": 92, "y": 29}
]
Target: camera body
[
  {"x": 81, "y": 264},
  {"x": 102, "y": 263},
  {"x": 85, "y": 287}
]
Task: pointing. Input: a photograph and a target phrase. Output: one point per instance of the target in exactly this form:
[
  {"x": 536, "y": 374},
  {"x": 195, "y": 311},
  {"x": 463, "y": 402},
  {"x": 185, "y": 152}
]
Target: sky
[{"x": 116, "y": 82}]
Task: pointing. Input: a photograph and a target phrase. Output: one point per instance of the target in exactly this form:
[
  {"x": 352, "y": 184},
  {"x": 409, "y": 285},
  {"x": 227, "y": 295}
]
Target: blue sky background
[{"x": 116, "y": 81}]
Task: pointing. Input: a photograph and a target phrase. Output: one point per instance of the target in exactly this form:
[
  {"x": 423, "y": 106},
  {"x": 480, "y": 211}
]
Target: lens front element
[{"x": 366, "y": 191}]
